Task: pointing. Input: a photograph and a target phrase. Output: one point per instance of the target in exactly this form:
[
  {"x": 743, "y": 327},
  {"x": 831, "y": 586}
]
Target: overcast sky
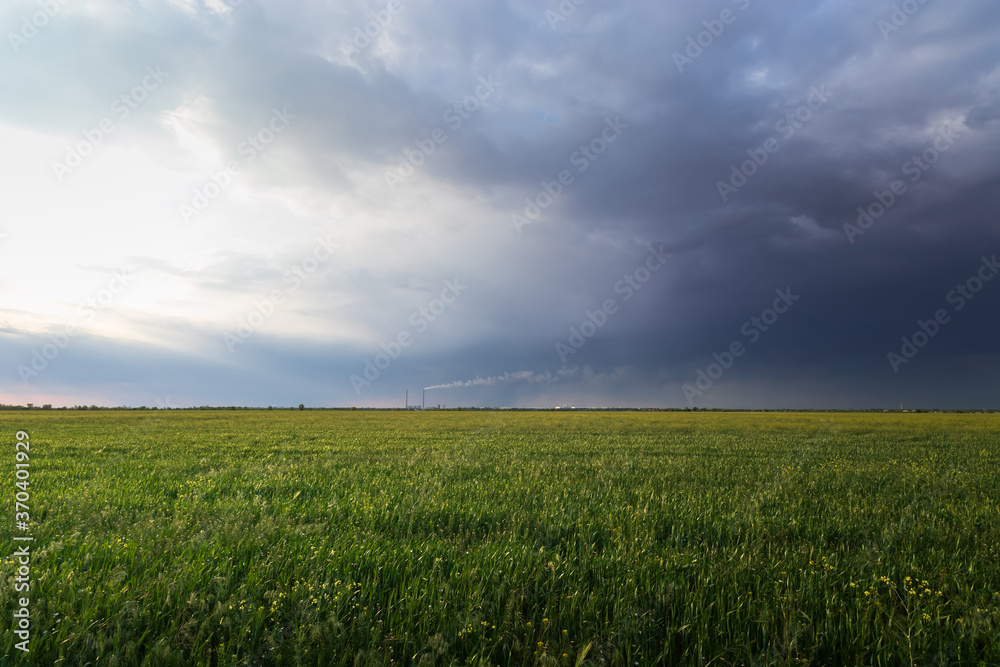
[{"x": 733, "y": 203}]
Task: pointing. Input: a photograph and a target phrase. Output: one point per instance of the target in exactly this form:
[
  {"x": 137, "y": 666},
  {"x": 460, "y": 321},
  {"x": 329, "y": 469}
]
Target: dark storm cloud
[{"x": 842, "y": 98}]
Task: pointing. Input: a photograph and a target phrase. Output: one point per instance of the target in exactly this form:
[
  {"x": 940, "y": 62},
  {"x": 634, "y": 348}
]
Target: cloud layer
[{"x": 511, "y": 204}]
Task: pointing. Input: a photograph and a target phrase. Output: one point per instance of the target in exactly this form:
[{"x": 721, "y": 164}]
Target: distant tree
[{"x": 302, "y": 406}]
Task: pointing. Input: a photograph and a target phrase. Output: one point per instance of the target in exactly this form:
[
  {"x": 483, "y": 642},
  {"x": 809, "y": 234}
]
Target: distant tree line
[{"x": 301, "y": 406}]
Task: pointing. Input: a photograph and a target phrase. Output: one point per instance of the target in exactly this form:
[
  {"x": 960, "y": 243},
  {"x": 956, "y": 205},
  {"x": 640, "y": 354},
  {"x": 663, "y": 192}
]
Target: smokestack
[
  {"x": 423, "y": 399},
  {"x": 407, "y": 400}
]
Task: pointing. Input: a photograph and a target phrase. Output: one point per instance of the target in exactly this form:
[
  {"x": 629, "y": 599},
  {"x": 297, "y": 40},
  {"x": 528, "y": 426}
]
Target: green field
[{"x": 499, "y": 538}]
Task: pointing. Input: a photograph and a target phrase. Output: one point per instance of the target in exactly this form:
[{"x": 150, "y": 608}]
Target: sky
[{"x": 724, "y": 204}]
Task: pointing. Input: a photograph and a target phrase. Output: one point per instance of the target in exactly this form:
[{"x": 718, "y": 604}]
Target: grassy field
[{"x": 495, "y": 538}]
